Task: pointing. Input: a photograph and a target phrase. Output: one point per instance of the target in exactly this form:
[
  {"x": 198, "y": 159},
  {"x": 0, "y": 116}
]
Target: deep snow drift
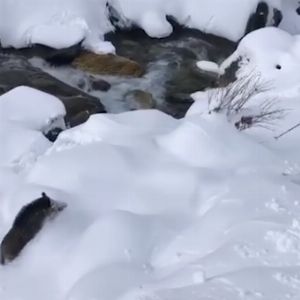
[
  {"x": 62, "y": 23},
  {"x": 158, "y": 208}
]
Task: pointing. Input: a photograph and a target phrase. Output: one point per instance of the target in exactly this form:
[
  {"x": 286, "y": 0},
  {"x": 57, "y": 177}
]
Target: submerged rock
[
  {"x": 99, "y": 84},
  {"x": 138, "y": 99},
  {"x": 53, "y": 134},
  {"x": 108, "y": 64},
  {"x": 28, "y": 222}
]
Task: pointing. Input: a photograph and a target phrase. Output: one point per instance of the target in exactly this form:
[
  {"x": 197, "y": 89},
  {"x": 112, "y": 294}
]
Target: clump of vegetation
[{"x": 235, "y": 102}]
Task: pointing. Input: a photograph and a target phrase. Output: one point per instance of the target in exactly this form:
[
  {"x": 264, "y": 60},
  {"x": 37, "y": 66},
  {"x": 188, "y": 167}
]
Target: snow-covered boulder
[
  {"x": 25, "y": 115},
  {"x": 263, "y": 74},
  {"x": 61, "y": 24},
  {"x": 31, "y": 108},
  {"x": 272, "y": 53}
]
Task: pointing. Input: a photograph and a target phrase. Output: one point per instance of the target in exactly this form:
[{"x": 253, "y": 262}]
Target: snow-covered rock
[
  {"x": 60, "y": 24},
  {"x": 25, "y": 114},
  {"x": 208, "y": 66},
  {"x": 31, "y": 108},
  {"x": 272, "y": 53}
]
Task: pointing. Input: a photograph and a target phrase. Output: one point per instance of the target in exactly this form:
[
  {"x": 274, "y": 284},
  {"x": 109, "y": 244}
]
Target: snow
[
  {"x": 291, "y": 19},
  {"x": 272, "y": 55},
  {"x": 31, "y": 108},
  {"x": 55, "y": 23},
  {"x": 60, "y": 24},
  {"x": 25, "y": 114},
  {"x": 158, "y": 208},
  {"x": 208, "y": 66}
]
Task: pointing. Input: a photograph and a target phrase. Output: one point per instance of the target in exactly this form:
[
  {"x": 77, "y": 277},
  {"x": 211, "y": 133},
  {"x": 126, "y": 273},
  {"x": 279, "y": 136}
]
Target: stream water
[{"x": 171, "y": 73}]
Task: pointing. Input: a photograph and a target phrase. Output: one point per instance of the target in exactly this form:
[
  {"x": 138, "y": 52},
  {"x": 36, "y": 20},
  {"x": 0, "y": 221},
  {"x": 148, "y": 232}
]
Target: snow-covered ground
[
  {"x": 62, "y": 23},
  {"x": 158, "y": 208}
]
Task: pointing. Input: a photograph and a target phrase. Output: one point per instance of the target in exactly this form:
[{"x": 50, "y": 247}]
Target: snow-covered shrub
[{"x": 235, "y": 102}]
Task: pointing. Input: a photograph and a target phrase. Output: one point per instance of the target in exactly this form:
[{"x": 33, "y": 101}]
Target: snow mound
[
  {"x": 158, "y": 208},
  {"x": 31, "y": 108},
  {"x": 25, "y": 114},
  {"x": 271, "y": 52},
  {"x": 60, "y": 24},
  {"x": 271, "y": 57}
]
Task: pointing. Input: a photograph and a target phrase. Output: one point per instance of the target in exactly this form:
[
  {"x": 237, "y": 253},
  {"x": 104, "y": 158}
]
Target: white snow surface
[
  {"x": 208, "y": 66},
  {"x": 63, "y": 23},
  {"x": 273, "y": 56},
  {"x": 158, "y": 208}
]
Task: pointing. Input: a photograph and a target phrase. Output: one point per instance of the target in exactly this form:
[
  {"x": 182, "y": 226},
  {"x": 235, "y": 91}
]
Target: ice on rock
[{"x": 208, "y": 66}]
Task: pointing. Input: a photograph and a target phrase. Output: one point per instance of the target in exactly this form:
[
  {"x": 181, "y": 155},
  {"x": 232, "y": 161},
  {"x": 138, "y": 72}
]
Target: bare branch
[
  {"x": 233, "y": 99},
  {"x": 287, "y": 131}
]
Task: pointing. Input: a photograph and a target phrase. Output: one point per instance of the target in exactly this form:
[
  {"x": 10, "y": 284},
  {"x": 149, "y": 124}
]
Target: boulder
[
  {"x": 108, "y": 64},
  {"x": 258, "y": 19},
  {"x": 263, "y": 16},
  {"x": 16, "y": 71},
  {"x": 99, "y": 84},
  {"x": 138, "y": 99},
  {"x": 53, "y": 56}
]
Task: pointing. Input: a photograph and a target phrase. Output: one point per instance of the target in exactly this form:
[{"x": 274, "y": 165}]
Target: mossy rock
[
  {"x": 138, "y": 99},
  {"x": 108, "y": 64}
]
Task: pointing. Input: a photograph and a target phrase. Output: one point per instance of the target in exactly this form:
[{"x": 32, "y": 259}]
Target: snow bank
[
  {"x": 157, "y": 207},
  {"x": 272, "y": 53},
  {"x": 25, "y": 114},
  {"x": 271, "y": 57},
  {"x": 31, "y": 108},
  {"x": 60, "y": 24}
]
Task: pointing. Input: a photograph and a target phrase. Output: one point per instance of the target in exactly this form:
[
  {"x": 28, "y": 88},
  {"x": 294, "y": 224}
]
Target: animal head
[{"x": 52, "y": 206}]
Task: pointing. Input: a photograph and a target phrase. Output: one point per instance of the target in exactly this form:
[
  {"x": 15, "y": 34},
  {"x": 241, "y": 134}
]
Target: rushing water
[{"x": 170, "y": 63}]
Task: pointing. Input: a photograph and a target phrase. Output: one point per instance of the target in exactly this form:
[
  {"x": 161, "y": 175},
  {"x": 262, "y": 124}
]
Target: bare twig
[
  {"x": 287, "y": 131},
  {"x": 233, "y": 99}
]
